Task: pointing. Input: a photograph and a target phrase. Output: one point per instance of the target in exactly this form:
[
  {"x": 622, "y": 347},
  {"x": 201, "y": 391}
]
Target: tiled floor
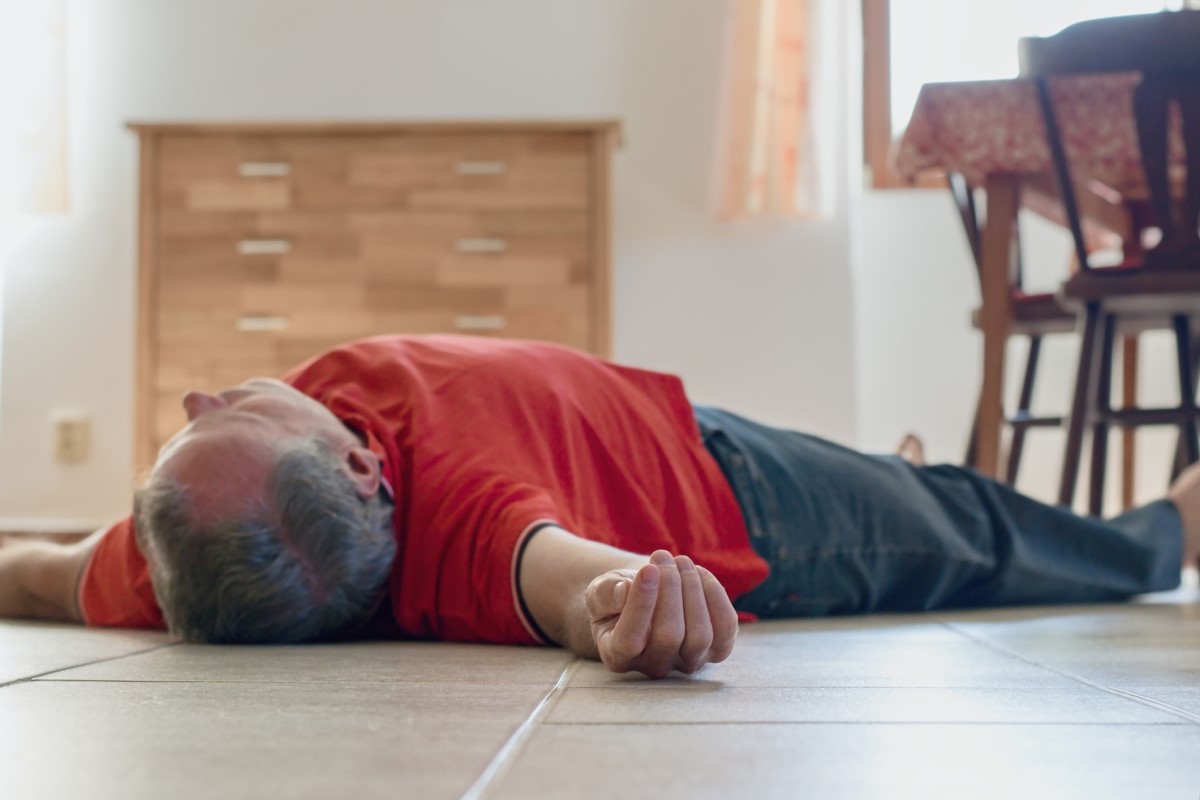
[{"x": 1074, "y": 702}]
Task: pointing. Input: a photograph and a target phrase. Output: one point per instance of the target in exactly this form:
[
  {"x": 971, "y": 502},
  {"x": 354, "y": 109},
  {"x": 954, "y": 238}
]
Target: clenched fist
[{"x": 669, "y": 615}]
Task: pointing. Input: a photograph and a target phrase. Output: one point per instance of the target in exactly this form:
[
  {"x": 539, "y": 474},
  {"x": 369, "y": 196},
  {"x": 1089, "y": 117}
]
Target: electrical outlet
[{"x": 72, "y": 436}]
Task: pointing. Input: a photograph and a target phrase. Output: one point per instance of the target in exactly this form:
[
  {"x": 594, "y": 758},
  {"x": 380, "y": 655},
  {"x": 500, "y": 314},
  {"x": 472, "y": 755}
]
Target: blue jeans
[{"x": 846, "y": 532}]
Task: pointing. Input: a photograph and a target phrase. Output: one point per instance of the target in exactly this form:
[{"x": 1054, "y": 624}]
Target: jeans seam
[{"x": 884, "y": 549}]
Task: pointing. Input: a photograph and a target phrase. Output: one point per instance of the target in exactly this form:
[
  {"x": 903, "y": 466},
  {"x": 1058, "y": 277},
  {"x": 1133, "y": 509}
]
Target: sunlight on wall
[
  {"x": 33, "y": 161},
  {"x": 951, "y": 40},
  {"x": 32, "y": 107}
]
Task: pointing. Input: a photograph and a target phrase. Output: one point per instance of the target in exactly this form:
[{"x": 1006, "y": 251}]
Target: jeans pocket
[{"x": 740, "y": 475}]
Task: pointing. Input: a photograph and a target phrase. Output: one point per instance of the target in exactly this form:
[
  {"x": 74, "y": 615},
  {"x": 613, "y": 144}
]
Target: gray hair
[{"x": 307, "y": 562}]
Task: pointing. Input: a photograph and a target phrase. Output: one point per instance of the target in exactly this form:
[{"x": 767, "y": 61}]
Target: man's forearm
[
  {"x": 38, "y": 579},
  {"x": 556, "y": 569}
]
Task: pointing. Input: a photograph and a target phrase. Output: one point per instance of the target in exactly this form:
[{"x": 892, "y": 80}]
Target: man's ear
[{"x": 363, "y": 467}]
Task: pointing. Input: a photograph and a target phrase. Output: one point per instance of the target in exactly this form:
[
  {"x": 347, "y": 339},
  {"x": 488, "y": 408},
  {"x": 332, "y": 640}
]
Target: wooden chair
[
  {"x": 1034, "y": 317},
  {"x": 1152, "y": 288}
]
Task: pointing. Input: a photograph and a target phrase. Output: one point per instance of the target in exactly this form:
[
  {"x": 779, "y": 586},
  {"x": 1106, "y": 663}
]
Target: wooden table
[{"x": 992, "y": 132}]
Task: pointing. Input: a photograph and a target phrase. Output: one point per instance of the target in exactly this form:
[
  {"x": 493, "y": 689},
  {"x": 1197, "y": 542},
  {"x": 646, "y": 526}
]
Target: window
[{"x": 907, "y": 43}]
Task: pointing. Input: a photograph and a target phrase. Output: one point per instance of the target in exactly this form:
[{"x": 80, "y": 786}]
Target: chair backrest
[
  {"x": 1166, "y": 41},
  {"x": 1165, "y": 48}
]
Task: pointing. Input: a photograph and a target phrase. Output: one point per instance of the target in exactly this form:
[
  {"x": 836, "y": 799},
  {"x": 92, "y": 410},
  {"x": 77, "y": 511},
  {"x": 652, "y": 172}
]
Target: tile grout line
[
  {"x": 960, "y": 723},
  {"x": 507, "y": 755},
  {"x": 29, "y": 678},
  {"x": 1132, "y": 696},
  {"x": 1159, "y": 704},
  {"x": 258, "y": 682}
]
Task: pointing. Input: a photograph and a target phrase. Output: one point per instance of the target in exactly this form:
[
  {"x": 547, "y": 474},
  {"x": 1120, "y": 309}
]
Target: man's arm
[
  {"x": 38, "y": 579},
  {"x": 650, "y": 615}
]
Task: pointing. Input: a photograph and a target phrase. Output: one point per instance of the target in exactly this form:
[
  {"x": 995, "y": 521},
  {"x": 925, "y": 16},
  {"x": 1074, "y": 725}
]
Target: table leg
[
  {"x": 1003, "y": 197},
  {"x": 1129, "y": 367}
]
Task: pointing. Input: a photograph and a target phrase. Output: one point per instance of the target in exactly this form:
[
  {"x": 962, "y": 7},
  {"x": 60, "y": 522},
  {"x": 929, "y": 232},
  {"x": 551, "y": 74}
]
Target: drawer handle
[
  {"x": 471, "y": 322},
  {"x": 264, "y": 169},
  {"x": 481, "y": 168},
  {"x": 481, "y": 245},
  {"x": 261, "y": 324},
  {"x": 264, "y": 247}
]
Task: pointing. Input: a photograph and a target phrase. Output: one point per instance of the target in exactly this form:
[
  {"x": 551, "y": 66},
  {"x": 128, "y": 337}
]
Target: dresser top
[{"x": 610, "y": 127}]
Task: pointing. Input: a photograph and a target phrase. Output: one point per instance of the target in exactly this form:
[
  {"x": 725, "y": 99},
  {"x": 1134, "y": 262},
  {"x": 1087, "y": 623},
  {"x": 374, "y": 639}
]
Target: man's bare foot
[
  {"x": 1185, "y": 494},
  {"x": 912, "y": 450}
]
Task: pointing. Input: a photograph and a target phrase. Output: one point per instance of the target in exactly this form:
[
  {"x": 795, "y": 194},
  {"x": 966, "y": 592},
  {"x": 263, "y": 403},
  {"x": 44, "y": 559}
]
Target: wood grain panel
[
  {"x": 264, "y": 245},
  {"x": 480, "y": 172},
  {"x": 495, "y": 171},
  {"x": 500, "y": 272},
  {"x": 453, "y": 223}
]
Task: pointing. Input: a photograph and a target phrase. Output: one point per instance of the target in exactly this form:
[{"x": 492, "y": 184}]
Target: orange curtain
[{"x": 764, "y": 163}]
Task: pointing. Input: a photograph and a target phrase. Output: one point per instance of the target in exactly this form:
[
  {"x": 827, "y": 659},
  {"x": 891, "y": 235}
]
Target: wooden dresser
[{"x": 263, "y": 244}]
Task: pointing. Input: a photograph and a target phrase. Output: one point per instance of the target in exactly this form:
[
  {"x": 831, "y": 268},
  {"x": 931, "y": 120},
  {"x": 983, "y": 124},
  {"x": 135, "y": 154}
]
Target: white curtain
[{"x": 33, "y": 162}]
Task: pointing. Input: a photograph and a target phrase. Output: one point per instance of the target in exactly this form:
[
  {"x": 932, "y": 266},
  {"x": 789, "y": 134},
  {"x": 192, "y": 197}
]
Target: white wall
[{"x": 758, "y": 318}]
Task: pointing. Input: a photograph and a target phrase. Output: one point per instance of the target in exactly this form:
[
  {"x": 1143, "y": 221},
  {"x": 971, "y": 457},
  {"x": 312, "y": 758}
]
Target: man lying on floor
[{"x": 497, "y": 491}]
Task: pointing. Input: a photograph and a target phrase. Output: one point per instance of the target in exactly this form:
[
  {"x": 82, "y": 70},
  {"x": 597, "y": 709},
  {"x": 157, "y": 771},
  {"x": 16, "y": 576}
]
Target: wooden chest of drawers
[{"x": 263, "y": 244}]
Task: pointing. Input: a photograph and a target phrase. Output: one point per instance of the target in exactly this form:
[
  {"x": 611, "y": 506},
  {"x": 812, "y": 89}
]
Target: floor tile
[
  {"x": 1185, "y": 698},
  {"x": 851, "y": 762},
  {"x": 717, "y": 704},
  {"x": 914, "y": 628},
  {"x": 1003, "y": 703},
  {"x": 355, "y": 662},
  {"x": 808, "y": 662},
  {"x": 62, "y": 741},
  {"x": 1166, "y": 623},
  {"x": 28, "y": 649},
  {"x": 1121, "y": 646},
  {"x": 1123, "y": 669}
]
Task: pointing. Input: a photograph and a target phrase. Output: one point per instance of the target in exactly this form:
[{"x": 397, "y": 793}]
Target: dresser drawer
[
  {"x": 467, "y": 171},
  {"x": 212, "y": 347},
  {"x": 480, "y": 249},
  {"x": 224, "y": 173},
  {"x": 225, "y": 246},
  {"x": 476, "y": 172},
  {"x": 199, "y": 253},
  {"x": 259, "y": 323}
]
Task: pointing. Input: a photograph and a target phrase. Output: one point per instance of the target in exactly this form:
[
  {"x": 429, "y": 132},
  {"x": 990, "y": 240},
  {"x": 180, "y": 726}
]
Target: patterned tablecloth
[{"x": 986, "y": 127}]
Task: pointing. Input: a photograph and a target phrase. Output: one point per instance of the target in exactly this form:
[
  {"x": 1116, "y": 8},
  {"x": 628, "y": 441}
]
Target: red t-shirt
[{"x": 481, "y": 440}]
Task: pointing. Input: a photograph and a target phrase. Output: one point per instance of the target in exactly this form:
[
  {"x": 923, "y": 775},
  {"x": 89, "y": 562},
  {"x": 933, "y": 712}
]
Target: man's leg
[
  {"x": 847, "y": 532},
  {"x": 1185, "y": 494}
]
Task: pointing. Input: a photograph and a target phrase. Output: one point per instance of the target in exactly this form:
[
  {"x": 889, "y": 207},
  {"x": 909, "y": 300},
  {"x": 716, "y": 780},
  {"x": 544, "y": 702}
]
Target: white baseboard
[{"x": 50, "y": 524}]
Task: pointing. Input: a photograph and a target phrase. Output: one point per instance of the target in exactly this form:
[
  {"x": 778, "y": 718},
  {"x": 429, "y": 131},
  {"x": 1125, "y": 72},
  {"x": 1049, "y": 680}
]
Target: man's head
[{"x": 263, "y": 520}]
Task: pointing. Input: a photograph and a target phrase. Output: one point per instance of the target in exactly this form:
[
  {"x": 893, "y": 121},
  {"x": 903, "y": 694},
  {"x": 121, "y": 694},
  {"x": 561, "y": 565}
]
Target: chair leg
[
  {"x": 1187, "y": 390},
  {"x": 1100, "y": 424},
  {"x": 1023, "y": 404},
  {"x": 1079, "y": 403}
]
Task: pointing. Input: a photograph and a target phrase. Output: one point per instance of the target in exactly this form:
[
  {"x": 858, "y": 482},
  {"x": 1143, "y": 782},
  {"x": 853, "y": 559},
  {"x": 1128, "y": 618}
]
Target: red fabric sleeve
[
  {"x": 115, "y": 589},
  {"x": 458, "y": 582}
]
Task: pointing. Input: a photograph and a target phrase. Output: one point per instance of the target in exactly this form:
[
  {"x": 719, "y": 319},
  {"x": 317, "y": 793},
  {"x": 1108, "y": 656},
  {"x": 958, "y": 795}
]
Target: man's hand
[
  {"x": 609, "y": 604},
  {"x": 669, "y": 615}
]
